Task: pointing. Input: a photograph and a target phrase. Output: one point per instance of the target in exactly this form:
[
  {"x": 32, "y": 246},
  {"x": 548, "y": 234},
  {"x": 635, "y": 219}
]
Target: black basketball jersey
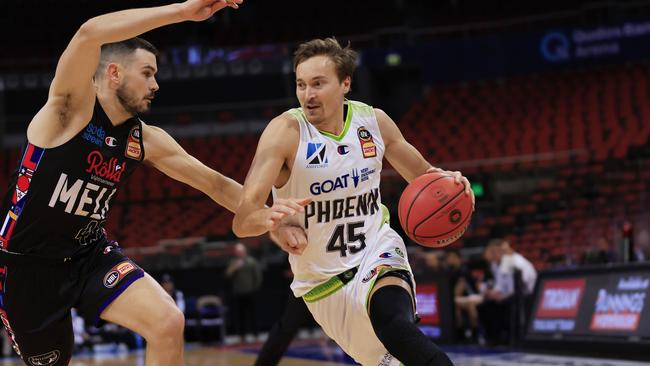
[{"x": 59, "y": 198}]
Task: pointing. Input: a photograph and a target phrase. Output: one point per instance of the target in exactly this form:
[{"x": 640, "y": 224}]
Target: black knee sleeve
[{"x": 392, "y": 318}]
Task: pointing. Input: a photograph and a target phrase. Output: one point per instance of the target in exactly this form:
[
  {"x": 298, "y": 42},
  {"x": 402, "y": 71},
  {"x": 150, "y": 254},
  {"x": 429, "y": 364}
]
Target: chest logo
[{"x": 316, "y": 155}]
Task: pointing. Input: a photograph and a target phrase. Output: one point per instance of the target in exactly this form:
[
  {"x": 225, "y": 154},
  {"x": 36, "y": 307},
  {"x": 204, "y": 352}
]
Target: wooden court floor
[
  {"x": 195, "y": 357},
  {"x": 212, "y": 356}
]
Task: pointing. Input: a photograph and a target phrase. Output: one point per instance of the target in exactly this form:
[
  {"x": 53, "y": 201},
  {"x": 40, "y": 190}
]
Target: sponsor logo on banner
[
  {"x": 559, "y": 304},
  {"x": 561, "y": 298},
  {"x": 133, "y": 149},
  {"x": 368, "y": 147},
  {"x": 428, "y": 304},
  {"x": 316, "y": 155},
  {"x": 45, "y": 359},
  {"x": 94, "y": 134},
  {"x": 620, "y": 310}
]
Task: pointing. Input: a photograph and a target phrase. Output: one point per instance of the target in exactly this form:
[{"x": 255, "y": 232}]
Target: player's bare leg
[{"x": 146, "y": 309}]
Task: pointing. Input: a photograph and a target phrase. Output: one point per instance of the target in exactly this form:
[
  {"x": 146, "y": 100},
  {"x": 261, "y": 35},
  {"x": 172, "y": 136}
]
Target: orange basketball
[{"x": 434, "y": 210}]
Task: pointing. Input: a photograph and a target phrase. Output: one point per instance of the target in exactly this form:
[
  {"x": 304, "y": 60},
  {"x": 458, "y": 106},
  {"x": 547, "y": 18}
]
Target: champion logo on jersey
[
  {"x": 110, "y": 141},
  {"x": 316, "y": 155},
  {"x": 343, "y": 149}
]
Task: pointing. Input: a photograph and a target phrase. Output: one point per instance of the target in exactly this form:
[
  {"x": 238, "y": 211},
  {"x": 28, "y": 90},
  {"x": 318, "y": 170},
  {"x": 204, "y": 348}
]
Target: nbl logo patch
[
  {"x": 368, "y": 147},
  {"x": 117, "y": 273},
  {"x": 316, "y": 155},
  {"x": 133, "y": 149}
]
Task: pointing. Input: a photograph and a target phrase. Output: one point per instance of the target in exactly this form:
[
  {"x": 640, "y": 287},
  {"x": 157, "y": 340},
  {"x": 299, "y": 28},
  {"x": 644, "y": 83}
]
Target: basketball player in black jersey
[{"x": 82, "y": 146}]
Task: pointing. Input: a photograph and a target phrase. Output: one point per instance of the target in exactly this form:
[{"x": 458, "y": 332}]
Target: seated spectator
[
  {"x": 466, "y": 297},
  {"x": 498, "y": 297},
  {"x": 600, "y": 252}
]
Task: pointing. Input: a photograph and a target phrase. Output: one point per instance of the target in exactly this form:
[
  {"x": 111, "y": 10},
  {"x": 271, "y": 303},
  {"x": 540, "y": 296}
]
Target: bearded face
[{"x": 132, "y": 100}]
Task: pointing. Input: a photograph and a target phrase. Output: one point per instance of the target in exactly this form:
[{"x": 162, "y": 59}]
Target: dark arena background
[{"x": 543, "y": 105}]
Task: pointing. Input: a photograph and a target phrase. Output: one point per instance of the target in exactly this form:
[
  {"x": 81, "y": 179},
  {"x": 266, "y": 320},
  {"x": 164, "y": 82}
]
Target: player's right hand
[
  {"x": 282, "y": 208},
  {"x": 200, "y": 10},
  {"x": 291, "y": 239}
]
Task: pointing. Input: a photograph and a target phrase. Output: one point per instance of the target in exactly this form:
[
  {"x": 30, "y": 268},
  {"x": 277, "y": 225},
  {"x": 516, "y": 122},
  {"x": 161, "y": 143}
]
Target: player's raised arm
[
  {"x": 275, "y": 148},
  {"x": 72, "y": 91}
]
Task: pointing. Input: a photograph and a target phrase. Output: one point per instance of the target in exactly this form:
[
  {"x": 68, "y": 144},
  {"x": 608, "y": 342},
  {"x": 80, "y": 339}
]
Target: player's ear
[
  {"x": 113, "y": 72},
  {"x": 347, "y": 82}
]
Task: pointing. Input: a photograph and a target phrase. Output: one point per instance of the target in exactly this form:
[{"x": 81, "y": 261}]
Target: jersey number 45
[{"x": 337, "y": 242}]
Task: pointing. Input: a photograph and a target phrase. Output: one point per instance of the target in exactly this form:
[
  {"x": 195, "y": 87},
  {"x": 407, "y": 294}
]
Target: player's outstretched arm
[
  {"x": 277, "y": 144},
  {"x": 404, "y": 157},
  {"x": 71, "y": 94},
  {"x": 165, "y": 154}
]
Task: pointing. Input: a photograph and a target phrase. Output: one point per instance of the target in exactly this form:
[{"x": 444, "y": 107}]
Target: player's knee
[
  {"x": 168, "y": 327},
  {"x": 389, "y": 307}
]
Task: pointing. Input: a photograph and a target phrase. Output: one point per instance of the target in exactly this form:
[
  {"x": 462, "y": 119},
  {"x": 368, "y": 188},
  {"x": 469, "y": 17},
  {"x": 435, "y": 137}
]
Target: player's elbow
[
  {"x": 238, "y": 227},
  {"x": 88, "y": 32}
]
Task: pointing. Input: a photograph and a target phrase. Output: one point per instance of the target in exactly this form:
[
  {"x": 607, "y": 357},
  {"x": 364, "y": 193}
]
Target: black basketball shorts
[{"x": 36, "y": 298}]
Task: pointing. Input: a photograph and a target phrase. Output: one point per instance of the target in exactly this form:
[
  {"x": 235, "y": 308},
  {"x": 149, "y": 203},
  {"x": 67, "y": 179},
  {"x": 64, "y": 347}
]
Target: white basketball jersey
[{"x": 341, "y": 174}]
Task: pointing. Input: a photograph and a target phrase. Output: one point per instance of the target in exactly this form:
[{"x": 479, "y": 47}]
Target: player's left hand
[
  {"x": 460, "y": 179},
  {"x": 291, "y": 239},
  {"x": 199, "y": 10}
]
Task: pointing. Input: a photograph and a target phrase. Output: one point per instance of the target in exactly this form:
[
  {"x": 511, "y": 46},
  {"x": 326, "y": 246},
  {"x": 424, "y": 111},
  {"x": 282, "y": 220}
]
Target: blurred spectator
[
  {"x": 511, "y": 261},
  {"x": 466, "y": 297},
  {"x": 246, "y": 276},
  {"x": 498, "y": 297},
  {"x": 600, "y": 252},
  {"x": 167, "y": 282},
  {"x": 642, "y": 249}
]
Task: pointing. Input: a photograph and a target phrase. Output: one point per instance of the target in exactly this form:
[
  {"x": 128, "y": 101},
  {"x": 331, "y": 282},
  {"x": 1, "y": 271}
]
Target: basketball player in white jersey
[{"x": 353, "y": 273}]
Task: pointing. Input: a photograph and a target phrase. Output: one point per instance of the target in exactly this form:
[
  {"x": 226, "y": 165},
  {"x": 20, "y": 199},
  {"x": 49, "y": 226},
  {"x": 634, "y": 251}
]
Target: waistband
[{"x": 331, "y": 286}]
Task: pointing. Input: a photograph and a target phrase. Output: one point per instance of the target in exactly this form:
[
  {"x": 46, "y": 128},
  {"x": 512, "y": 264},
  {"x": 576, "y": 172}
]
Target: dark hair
[
  {"x": 344, "y": 58},
  {"x": 122, "y": 50}
]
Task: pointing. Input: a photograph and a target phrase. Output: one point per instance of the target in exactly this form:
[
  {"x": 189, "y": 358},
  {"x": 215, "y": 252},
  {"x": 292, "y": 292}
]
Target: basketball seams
[
  {"x": 408, "y": 212},
  {"x": 467, "y": 217},
  {"x": 436, "y": 211}
]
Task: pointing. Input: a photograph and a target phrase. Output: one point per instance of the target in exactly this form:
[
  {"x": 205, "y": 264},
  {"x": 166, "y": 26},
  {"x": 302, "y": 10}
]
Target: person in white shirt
[{"x": 498, "y": 299}]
